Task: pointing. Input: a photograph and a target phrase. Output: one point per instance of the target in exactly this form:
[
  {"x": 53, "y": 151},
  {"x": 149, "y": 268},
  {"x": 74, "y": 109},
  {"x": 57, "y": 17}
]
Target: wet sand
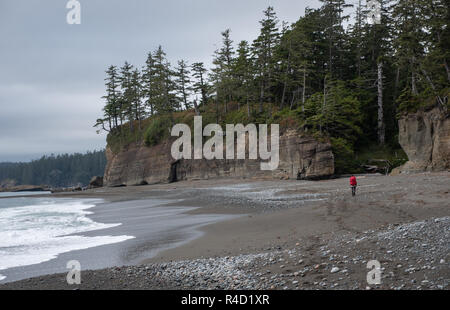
[
  {"x": 298, "y": 218},
  {"x": 284, "y": 221},
  {"x": 149, "y": 225}
]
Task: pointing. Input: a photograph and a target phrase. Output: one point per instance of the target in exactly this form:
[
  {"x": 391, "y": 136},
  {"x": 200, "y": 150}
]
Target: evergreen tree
[
  {"x": 111, "y": 109},
  {"x": 183, "y": 83},
  {"x": 148, "y": 74},
  {"x": 56, "y": 170},
  {"x": 164, "y": 100},
  {"x": 222, "y": 71},
  {"x": 127, "y": 95},
  {"x": 323, "y": 74},
  {"x": 243, "y": 75},
  {"x": 434, "y": 66},
  {"x": 263, "y": 50},
  {"x": 340, "y": 117},
  {"x": 409, "y": 41},
  {"x": 137, "y": 95},
  {"x": 333, "y": 18},
  {"x": 200, "y": 85},
  {"x": 307, "y": 57}
]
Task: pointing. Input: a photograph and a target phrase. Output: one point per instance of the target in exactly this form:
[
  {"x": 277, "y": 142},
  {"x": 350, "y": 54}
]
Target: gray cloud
[{"x": 51, "y": 77}]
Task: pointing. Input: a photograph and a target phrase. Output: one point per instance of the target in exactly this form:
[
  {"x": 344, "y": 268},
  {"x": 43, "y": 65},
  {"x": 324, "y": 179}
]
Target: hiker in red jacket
[{"x": 353, "y": 184}]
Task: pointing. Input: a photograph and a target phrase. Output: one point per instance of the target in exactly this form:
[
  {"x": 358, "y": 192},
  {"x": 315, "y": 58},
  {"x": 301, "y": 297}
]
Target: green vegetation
[
  {"x": 56, "y": 170},
  {"x": 338, "y": 81},
  {"x": 344, "y": 157},
  {"x": 158, "y": 130},
  {"x": 409, "y": 103},
  {"x": 393, "y": 155}
]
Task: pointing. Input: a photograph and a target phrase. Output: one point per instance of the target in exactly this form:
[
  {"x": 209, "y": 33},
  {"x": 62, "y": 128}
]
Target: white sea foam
[{"x": 37, "y": 233}]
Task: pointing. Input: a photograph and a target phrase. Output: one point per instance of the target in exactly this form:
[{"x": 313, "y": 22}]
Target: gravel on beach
[{"x": 412, "y": 256}]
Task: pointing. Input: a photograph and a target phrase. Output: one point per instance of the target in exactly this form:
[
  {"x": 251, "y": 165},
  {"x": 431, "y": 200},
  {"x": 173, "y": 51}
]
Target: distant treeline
[{"x": 56, "y": 170}]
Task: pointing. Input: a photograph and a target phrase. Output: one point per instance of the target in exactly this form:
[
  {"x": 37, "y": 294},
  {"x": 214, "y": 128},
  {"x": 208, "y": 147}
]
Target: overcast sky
[{"x": 51, "y": 73}]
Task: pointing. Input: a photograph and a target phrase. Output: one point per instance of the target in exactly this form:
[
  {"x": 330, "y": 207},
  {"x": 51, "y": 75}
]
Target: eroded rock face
[
  {"x": 425, "y": 137},
  {"x": 300, "y": 157},
  {"x": 95, "y": 182}
]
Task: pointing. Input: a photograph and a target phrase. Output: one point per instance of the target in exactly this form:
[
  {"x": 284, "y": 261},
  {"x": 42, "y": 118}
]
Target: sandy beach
[{"x": 279, "y": 234}]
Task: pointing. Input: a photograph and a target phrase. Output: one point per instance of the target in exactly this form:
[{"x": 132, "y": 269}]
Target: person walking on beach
[{"x": 353, "y": 184}]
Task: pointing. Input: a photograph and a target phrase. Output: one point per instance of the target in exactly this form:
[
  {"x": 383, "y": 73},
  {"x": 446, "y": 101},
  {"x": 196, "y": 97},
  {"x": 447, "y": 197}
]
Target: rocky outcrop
[
  {"x": 6, "y": 184},
  {"x": 96, "y": 182},
  {"x": 300, "y": 157},
  {"x": 425, "y": 138}
]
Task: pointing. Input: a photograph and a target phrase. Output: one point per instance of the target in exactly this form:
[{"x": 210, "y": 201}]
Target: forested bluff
[
  {"x": 339, "y": 80},
  {"x": 368, "y": 91}
]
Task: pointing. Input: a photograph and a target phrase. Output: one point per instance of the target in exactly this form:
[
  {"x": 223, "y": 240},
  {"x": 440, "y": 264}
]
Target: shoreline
[
  {"x": 274, "y": 224},
  {"x": 149, "y": 224}
]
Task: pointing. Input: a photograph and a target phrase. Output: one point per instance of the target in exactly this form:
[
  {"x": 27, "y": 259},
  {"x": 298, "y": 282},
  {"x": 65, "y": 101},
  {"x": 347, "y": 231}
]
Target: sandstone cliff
[
  {"x": 425, "y": 137},
  {"x": 300, "y": 157}
]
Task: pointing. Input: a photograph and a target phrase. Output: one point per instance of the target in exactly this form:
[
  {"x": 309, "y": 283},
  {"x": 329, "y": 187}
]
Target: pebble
[
  {"x": 334, "y": 269},
  {"x": 251, "y": 271}
]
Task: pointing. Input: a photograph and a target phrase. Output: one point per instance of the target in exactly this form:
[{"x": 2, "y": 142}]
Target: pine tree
[
  {"x": 434, "y": 67},
  {"x": 164, "y": 100},
  {"x": 137, "y": 95},
  {"x": 283, "y": 57},
  {"x": 148, "y": 74},
  {"x": 340, "y": 117},
  {"x": 409, "y": 25},
  {"x": 111, "y": 109},
  {"x": 380, "y": 48},
  {"x": 263, "y": 50},
  {"x": 221, "y": 73},
  {"x": 242, "y": 72},
  {"x": 183, "y": 83},
  {"x": 336, "y": 80},
  {"x": 372, "y": 46},
  {"x": 333, "y": 18},
  {"x": 307, "y": 57},
  {"x": 127, "y": 95},
  {"x": 200, "y": 85}
]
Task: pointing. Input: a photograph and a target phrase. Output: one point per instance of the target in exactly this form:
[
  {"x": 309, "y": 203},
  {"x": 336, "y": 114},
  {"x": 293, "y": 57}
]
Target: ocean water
[
  {"x": 15, "y": 194},
  {"x": 35, "y": 230}
]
